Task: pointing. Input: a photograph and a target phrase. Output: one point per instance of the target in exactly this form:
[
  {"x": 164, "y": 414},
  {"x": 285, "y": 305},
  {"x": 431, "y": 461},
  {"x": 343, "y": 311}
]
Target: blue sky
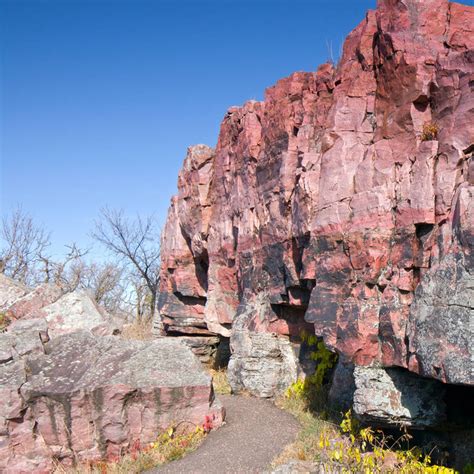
[{"x": 100, "y": 99}]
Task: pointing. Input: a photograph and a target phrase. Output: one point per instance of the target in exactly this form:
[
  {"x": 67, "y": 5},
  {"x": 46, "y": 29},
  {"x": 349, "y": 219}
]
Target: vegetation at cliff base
[
  {"x": 219, "y": 381},
  {"x": 337, "y": 442},
  {"x": 346, "y": 447},
  {"x": 169, "y": 446},
  {"x": 430, "y": 132}
]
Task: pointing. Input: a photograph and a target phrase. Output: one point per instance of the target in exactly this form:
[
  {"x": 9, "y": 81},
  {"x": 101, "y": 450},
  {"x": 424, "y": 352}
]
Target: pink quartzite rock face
[
  {"x": 327, "y": 204},
  {"x": 10, "y": 292}
]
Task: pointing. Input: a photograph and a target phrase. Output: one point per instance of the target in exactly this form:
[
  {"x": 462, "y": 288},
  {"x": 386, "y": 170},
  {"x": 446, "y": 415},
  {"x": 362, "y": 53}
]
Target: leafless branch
[
  {"x": 136, "y": 243},
  {"x": 23, "y": 243}
]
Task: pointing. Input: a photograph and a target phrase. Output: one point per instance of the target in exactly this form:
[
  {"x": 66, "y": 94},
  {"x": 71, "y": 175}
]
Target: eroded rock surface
[
  {"x": 329, "y": 204},
  {"x": 395, "y": 397},
  {"x": 48, "y": 305},
  {"x": 75, "y": 311},
  {"x": 29, "y": 305},
  {"x": 10, "y": 292},
  {"x": 83, "y": 397},
  {"x": 440, "y": 329}
]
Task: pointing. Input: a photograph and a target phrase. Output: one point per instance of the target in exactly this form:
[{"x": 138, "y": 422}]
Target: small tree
[
  {"x": 61, "y": 272},
  {"x": 23, "y": 243},
  {"x": 24, "y": 257},
  {"x": 136, "y": 242},
  {"x": 105, "y": 283}
]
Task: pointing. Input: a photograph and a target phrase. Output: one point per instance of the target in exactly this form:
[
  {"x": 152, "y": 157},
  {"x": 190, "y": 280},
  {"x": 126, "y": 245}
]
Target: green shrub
[{"x": 311, "y": 388}]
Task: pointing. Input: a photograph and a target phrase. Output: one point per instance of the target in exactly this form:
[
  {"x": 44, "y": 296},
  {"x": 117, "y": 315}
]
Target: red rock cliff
[{"x": 344, "y": 202}]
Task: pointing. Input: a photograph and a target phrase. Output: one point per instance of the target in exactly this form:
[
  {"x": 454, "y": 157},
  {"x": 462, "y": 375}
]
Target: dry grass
[
  {"x": 138, "y": 331},
  {"x": 3, "y": 321},
  {"x": 430, "y": 132},
  {"x": 220, "y": 381},
  {"x": 306, "y": 447},
  {"x": 169, "y": 446}
]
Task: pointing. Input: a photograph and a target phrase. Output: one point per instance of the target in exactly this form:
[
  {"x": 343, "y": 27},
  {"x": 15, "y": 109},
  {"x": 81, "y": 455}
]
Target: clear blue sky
[{"x": 100, "y": 99}]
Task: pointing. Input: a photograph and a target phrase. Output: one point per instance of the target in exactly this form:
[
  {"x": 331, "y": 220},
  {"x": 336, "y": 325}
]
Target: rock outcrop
[
  {"x": 47, "y": 305},
  {"x": 32, "y": 301},
  {"x": 343, "y": 204},
  {"x": 82, "y": 397},
  {"x": 71, "y": 392},
  {"x": 10, "y": 291}
]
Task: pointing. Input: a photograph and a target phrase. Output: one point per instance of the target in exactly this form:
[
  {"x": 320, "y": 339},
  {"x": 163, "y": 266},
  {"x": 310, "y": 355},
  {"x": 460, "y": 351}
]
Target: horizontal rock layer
[{"x": 343, "y": 200}]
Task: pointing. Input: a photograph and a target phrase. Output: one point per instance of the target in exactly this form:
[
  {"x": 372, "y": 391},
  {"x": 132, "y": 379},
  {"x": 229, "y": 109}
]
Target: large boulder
[
  {"x": 83, "y": 397},
  {"x": 262, "y": 364},
  {"x": 23, "y": 338},
  {"x": 77, "y": 310},
  {"x": 29, "y": 305},
  {"x": 48, "y": 304},
  {"x": 398, "y": 398}
]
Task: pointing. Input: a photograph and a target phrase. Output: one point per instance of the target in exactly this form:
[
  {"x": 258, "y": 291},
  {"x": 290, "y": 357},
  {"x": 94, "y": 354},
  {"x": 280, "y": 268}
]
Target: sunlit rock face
[{"x": 343, "y": 204}]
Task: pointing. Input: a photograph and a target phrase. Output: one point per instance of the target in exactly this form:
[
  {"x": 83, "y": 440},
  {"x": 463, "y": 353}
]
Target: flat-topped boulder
[{"x": 93, "y": 398}]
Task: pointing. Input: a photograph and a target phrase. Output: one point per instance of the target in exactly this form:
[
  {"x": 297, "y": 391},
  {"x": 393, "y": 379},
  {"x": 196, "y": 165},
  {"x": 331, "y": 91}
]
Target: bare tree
[
  {"x": 24, "y": 257},
  {"x": 60, "y": 272},
  {"x": 23, "y": 244},
  {"x": 103, "y": 281},
  {"x": 105, "y": 284},
  {"x": 136, "y": 242}
]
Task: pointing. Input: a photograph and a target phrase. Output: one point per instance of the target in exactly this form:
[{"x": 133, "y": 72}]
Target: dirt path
[{"x": 255, "y": 432}]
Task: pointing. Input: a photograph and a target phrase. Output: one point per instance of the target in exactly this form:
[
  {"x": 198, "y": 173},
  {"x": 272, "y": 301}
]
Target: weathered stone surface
[
  {"x": 395, "y": 397},
  {"x": 326, "y": 202},
  {"x": 32, "y": 302},
  {"x": 204, "y": 348},
  {"x": 47, "y": 304},
  {"x": 75, "y": 311},
  {"x": 261, "y": 364},
  {"x": 23, "y": 338},
  {"x": 90, "y": 398},
  {"x": 441, "y": 322},
  {"x": 10, "y": 292},
  {"x": 441, "y": 325},
  {"x": 342, "y": 388}
]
